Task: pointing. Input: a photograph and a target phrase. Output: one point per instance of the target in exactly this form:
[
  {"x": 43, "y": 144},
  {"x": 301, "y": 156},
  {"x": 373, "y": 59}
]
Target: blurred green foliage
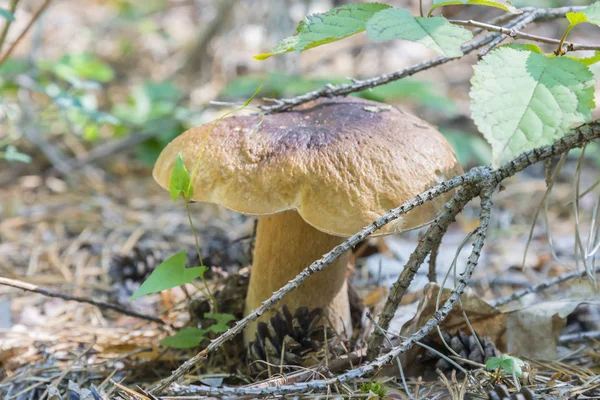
[
  {"x": 74, "y": 100},
  {"x": 470, "y": 149}
]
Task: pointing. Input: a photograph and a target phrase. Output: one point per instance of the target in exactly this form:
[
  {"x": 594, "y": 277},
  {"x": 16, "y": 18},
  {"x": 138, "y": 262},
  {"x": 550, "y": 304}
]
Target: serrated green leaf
[
  {"x": 186, "y": 338},
  {"x": 587, "y": 61},
  {"x": 436, "y": 32},
  {"x": 521, "y": 100},
  {"x": 534, "y": 48},
  {"x": 493, "y": 363},
  {"x": 222, "y": 321},
  {"x": 169, "y": 274},
  {"x": 590, "y": 15},
  {"x": 506, "y": 5},
  {"x": 179, "y": 185},
  {"x": 323, "y": 28},
  {"x": 7, "y": 15},
  {"x": 512, "y": 365},
  {"x": 508, "y": 363}
]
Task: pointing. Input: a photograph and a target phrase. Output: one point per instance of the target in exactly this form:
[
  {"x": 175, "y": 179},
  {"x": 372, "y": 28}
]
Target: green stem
[
  {"x": 210, "y": 295},
  {"x": 13, "y": 7},
  {"x": 559, "y": 51},
  {"x": 421, "y": 8},
  {"x": 431, "y": 11}
]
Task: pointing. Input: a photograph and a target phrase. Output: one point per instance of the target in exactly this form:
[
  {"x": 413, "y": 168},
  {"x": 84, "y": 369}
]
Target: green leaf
[
  {"x": 469, "y": 149},
  {"x": 588, "y": 61},
  {"x": 222, "y": 321},
  {"x": 323, "y": 28},
  {"x": 534, "y": 48},
  {"x": 590, "y": 15},
  {"x": 84, "y": 66},
  {"x": 508, "y": 363},
  {"x": 13, "y": 155},
  {"x": 186, "y": 338},
  {"x": 493, "y": 363},
  {"x": 521, "y": 100},
  {"x": 179, "y": 185},
  {"x": 7, "y": 15},
  {"x": 436, "y": 32},
  {"x": 192, "y": 337},
  {"x": 506, "y": 5},
  {"x": 285, "y": 46},
  {"x": 169, "y": 274}
]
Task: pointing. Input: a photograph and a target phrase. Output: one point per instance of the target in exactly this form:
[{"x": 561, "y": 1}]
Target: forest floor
[
  {"x": 99, "y": 239},
  {"x": 97, "y": 233}
]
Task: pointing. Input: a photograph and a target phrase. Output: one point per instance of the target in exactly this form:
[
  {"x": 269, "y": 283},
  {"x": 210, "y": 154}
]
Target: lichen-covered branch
[
  {"x": 427, "y": 243},
  {"x": 542, "y": 286}
]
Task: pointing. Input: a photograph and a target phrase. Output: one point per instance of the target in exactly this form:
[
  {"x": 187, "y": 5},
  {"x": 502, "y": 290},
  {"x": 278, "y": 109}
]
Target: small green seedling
[
  {"x": 512, "y": 365},
  {"x": 376, "y": 388},
  {"x": 192, "y": 337},
  {"x": 179, "y": 184},
  {"x": 169, "y": 274}
]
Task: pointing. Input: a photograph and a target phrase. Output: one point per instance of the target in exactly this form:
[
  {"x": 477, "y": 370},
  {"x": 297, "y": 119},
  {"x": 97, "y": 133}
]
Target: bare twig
[
  {"x": 108, "y": 149},
  {"x": 34, "y": 18},
  {"x": 519, "y": 23},
  {"x": 432, "y": 273},
  {"x": 542, "y": 286},
  {"x": 30, "y": 131},
  {"x": 581, "y": 135},
  {"x": 12, "y": 8},
  {"x": 430, "y": 240},
  {"x": 579, "y": 337},
  {"x": 100, "y": 304},
  {"x": 516, "y": 34}
]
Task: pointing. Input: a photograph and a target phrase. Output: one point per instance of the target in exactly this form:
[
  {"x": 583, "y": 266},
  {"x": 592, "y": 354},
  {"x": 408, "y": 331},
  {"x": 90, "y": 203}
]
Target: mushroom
[{"x": 314, "y": 176}]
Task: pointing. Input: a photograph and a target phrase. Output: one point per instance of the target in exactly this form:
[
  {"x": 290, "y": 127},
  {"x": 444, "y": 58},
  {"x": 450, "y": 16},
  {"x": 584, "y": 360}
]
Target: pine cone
[
  {"x": 293, "y": 335},
  {"x": 136, "y": 266},
  {"x": 464, "y": 345},
  {"x": 500, "y": 392}
]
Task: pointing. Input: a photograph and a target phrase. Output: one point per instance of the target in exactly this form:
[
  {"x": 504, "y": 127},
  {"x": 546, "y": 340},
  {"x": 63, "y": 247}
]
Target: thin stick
[
  {"x": 520, "y": 23},
  {"x": 516, "y": 34},
  {"x": 432, "y": 273},
  {"x": 579, "y": 337},
  {"x": 542, "y": 286},
  {"x": 27, "y": 28},
  {"x": 13, "y": 7},
  {"x": 100, "y": 304}
]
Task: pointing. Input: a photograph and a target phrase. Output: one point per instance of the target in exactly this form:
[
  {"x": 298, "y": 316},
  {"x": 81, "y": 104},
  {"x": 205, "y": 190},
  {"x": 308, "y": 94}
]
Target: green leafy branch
[
  {"x": 381, "y": 23},
  {"x": 521, "y": 98},
  {"x": 590, "y": 15}
]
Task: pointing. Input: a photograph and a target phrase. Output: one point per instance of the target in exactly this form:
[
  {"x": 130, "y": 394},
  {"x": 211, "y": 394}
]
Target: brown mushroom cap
[{"x": 338, "y": 164}]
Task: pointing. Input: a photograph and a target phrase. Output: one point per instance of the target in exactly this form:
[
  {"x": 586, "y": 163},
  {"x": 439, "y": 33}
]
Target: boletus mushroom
[{"x": 314, "y": 176}]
